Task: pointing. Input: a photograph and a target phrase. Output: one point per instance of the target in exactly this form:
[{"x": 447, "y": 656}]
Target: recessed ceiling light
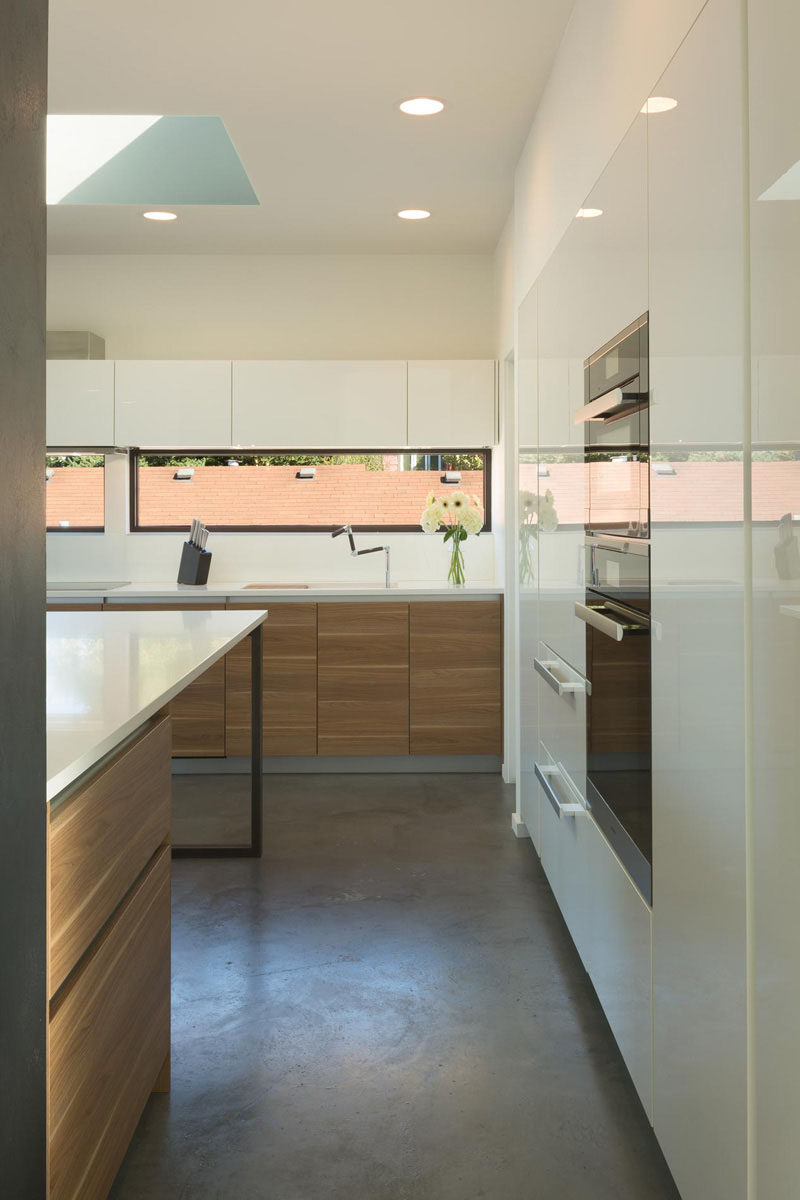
[
  {"x": 413, "y": 214},
  {"x": 587, "y": 213},
  {"x": 421, "y": 106},
  {"x": 160, "y": 216},
  {"x": 658, "y": 104}
]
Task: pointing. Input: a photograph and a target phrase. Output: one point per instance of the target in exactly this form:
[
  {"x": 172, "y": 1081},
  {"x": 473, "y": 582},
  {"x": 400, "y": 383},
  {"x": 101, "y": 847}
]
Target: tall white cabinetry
[
  {"x": 558, "y": 327},
  {"x": 330, "y": 405},
  {"x": 697, "y": 325},
  {"x": 774, "y": 91},
  {"x": 80, "y": 403},
  {"x": 171, "y": 403}
]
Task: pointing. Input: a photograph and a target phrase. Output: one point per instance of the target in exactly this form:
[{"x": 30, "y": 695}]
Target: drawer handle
[
  {"x": 547, "y": 668},
  {"x": 572, "y": 808},
  {"x": 617, "y": 630}
]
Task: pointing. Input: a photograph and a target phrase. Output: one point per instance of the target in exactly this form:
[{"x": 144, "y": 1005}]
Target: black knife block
[{"x": 195, "y": 565}]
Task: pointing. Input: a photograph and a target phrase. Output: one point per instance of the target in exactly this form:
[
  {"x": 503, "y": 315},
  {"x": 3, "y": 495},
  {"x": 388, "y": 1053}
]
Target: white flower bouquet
[
  {"x": 537, "y": 513},
  {"x": 459, "y": 517}
]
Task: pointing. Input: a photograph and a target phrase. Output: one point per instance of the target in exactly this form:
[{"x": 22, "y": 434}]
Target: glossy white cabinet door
[
  {"x": 329, "y": 405},
  {"x": 169, "y": 403},
  {"x": 528, "y": 798},
  {"x": 774, "y": 95},
  {"x": 562, "y": 715},
  {"x": 697, "y": 316},
  {"x": 80, "y": 403},
  {"x": 452, "y": 403},
  {"x": 610, "y": 925}
]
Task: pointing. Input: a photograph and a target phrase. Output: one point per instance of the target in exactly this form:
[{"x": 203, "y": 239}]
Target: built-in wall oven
[
  {"x": 617, "y": 434},
  {"x": 616, "y": 611}
]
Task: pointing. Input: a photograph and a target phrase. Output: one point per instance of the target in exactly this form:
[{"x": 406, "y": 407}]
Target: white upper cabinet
[
  {"x": 80, "y": 403},
  {"x": 181, "y": 404},
  {"x": 327, "y": 405},
  {"x": 452, "y": 403}
]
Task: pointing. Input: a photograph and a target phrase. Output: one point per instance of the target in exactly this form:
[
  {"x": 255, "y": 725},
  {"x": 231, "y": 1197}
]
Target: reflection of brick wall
[
  {"x": 346, "y": 493},
  {"x": 698, "y": 491},
  {"x": 75, "y": 494}
]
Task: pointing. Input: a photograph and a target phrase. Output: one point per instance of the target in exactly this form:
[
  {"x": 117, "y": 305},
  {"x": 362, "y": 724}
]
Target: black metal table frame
[{"x": 253, "y": 850}]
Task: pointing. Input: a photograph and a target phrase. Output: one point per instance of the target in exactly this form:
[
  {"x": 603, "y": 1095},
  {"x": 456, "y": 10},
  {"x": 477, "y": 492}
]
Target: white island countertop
[
  {"x": 108, "y": 673},
  {"x": 329, "y": 590}
]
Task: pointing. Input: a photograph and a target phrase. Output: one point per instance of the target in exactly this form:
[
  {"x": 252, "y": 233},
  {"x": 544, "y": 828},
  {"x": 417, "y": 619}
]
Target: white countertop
[
  {"x": 107, "y": 673},
  {"x": 337, "y": 590}
]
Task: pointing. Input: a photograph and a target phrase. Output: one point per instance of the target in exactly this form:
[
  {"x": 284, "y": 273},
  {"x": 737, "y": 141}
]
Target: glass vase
[{"x": 456, "y": 576}]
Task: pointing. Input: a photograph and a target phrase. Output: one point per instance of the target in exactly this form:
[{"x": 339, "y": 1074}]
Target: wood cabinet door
[
  {"x": 198, "y": 712},
  {"x": 109, "y": 1037},
  {"x": 457, "y": 677},
  {"x": 289, "y": 683},
  {"x": 363, "y": 678}
]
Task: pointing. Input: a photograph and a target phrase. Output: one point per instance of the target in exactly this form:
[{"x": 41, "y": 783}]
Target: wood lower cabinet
[
  {"x": 289, "y": 638},
  {"x": 363, "y": 678},
  {"x": 456, "y": 660},
  {"x": 198, "y": 713},
  {"x": 101, "y": 838},
  {"x": 109, "y": 1038}
]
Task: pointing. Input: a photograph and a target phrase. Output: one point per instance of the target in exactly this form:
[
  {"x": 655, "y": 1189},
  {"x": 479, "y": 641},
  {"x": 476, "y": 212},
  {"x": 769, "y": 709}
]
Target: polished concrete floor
[{"x": 386, "y": 1007}]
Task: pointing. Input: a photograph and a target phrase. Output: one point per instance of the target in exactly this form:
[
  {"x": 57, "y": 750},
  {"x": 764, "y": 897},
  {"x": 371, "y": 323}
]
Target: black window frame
[
  {"x": 251, "y": 451},
  {"x": 58, "y": 452}
]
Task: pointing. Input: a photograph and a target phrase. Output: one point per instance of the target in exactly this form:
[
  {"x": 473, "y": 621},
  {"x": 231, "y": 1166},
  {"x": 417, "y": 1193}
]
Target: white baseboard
[
  {"x": 518, "y": 826},
  {"x": 417, "y": 764}
]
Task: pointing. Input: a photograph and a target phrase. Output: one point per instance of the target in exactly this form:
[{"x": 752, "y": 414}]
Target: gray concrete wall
[{"x": 23, "y": 82}]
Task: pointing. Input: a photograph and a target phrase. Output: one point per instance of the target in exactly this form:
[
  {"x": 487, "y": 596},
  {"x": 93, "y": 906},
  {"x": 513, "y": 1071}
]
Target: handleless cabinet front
[
  {"x": 452, "y": 403},
  {"x": 457, "y": 677},
  {"x": 198, "y": 712},
  {"x": 363, "y": 679},
  {"x": 289, "y": 683},
  {"x": 325, "y": 404},
  {"x": 181, "y": 404},
  {"x": 80, "y": 403}
]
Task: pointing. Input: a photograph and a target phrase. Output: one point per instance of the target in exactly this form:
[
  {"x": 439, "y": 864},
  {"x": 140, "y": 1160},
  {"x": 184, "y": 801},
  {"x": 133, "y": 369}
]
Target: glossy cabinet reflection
[
  {"x": 528, "y": 560},
  {"x": 774, "y": 93},
  {"x": 697, "y": 426}
]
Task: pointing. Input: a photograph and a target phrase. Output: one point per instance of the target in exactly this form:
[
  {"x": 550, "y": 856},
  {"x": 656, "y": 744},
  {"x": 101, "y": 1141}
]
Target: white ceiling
[{"x": 308, "y": 91}]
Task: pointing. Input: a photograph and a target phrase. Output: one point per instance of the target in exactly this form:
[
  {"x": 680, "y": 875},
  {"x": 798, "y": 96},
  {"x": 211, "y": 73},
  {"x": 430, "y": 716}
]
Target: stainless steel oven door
[{"x": 618, "y": 730}]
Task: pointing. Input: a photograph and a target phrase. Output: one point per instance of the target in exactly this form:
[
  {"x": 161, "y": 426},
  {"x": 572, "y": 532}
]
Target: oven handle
[
  {"x": 571, "y": 809},
  {"x": 612, "y": 629},
  {"x": 544, "y": 667}
]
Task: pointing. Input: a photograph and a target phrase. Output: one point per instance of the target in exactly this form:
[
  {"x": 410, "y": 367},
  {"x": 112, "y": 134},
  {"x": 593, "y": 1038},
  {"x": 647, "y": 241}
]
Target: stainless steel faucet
[{"x": 348, "y": 529}]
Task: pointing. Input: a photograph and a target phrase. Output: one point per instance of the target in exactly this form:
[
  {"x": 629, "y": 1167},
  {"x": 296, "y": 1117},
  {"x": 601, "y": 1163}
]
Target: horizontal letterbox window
[
  {"x": 294, "y": 491},
  {"x": 75, "y": 493}
]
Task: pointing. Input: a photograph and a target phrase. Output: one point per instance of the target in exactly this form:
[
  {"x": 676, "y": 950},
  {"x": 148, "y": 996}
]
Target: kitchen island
[{"x": 111, "y": 677}]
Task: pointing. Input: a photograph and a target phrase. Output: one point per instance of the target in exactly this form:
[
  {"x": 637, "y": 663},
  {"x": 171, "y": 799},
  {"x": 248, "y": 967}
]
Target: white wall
[
  {"x": 278, "y": 306},
  {"x": 611, "y": 54}
]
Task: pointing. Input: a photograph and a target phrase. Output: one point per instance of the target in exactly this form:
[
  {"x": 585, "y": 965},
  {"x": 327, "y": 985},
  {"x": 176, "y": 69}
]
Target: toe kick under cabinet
[{"x": 353, "y": 678}]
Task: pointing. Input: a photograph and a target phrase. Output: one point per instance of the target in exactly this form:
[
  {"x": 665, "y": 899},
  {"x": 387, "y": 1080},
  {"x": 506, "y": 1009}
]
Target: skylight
[
  {"x": 143, "y": 160},
  {"x": 77, "y": 146}
]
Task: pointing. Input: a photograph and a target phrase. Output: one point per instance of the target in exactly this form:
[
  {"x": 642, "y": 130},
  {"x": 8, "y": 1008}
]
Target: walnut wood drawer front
[
  {"x": 289, "y": 639},
  {"x": 109, "y": 1037},
  {"x": 101, "y": 838},
  {"x": 198, "y": 713},
  {"x": 457, "y": 677},
  {"x": 363, "y": 679}
]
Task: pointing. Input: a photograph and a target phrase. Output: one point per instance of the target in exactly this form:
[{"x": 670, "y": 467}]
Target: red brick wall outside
[
  {"x": 343, "y": 494},
  {"x": 76, "y": 494}
]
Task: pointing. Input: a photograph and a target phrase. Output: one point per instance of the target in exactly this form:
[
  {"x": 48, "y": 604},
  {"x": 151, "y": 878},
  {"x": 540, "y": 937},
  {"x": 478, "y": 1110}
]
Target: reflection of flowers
[{"x": 536, "y": 513}]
